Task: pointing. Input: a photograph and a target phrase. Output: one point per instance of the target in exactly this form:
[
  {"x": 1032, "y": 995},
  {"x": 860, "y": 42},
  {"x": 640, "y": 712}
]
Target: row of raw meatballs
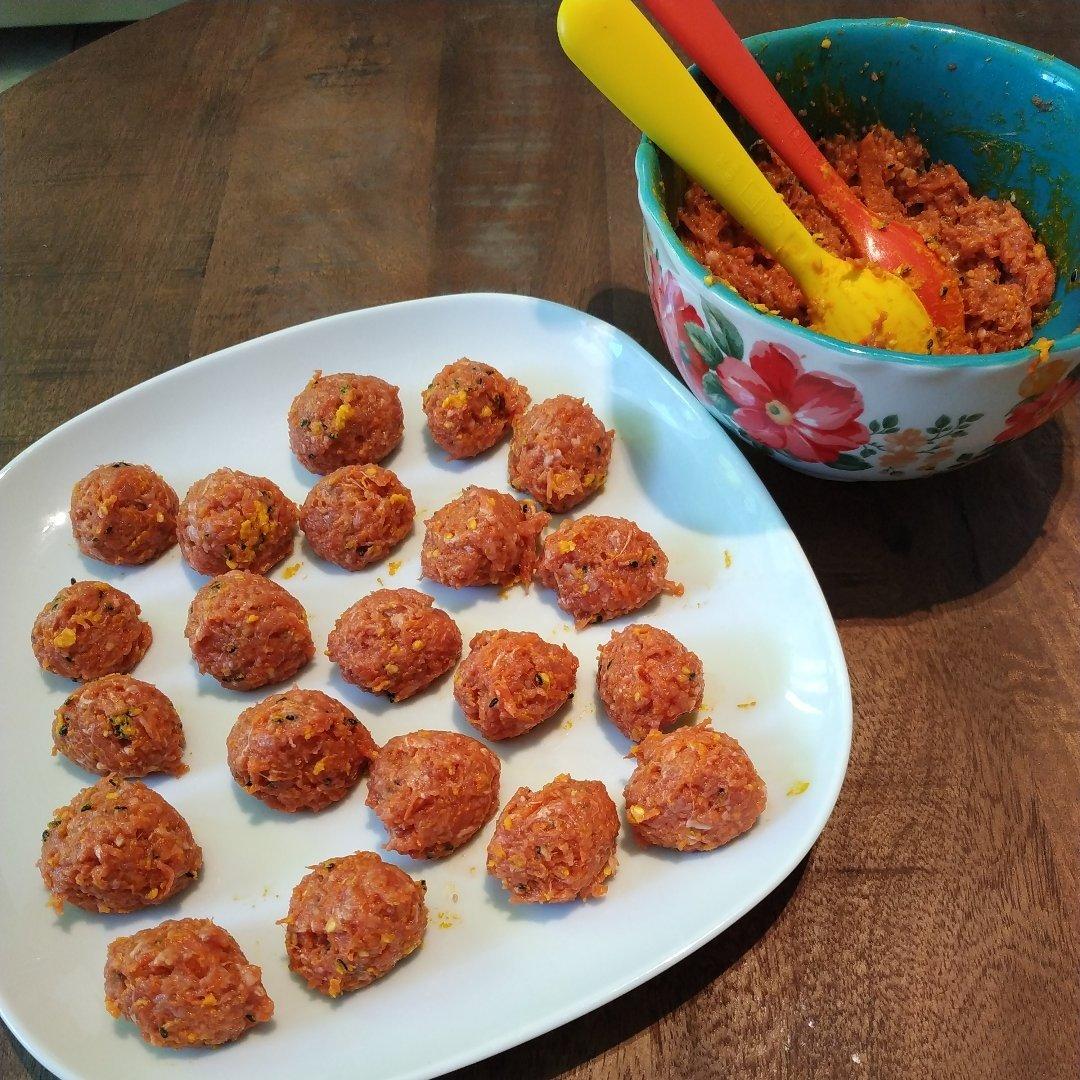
[
  {"x": 600, "y": 567},
  {"x": 118, "y": 847},
  {"x": 559, "y": 454},
  {"x": 559, "y": 450}
]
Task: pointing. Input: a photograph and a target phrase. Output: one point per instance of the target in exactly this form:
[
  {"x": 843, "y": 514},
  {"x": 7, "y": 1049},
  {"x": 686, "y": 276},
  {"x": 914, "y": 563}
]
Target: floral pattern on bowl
[{"x": 816, "y": 419}]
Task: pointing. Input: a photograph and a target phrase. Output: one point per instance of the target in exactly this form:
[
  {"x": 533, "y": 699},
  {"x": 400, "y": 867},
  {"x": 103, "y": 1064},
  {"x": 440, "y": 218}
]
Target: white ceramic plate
[{"x": 489, "y": 975}]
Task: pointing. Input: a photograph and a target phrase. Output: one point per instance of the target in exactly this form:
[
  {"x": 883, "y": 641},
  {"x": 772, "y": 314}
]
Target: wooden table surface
[{"x": 227, "y": 169}]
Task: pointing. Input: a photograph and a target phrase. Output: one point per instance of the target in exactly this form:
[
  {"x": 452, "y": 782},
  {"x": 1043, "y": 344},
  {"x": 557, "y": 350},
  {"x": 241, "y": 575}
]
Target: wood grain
[{"x": 226, "y": 169}]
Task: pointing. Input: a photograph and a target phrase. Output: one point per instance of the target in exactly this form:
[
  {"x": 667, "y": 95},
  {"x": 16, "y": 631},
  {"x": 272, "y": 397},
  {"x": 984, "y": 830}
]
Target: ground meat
[
  {"x": 513, "y": 680},
  {"x": 647, "y": 680},
  {"x": 1006, "y": 277},
  {"x": 116, "y": 847},
  {"x": 351, "y": 920},
  {"x": 300, "y": 750},
  {"x": 117, "y": 724},
  {"x": 693, "y": 790},
  {"x": 357, "y": 515},
  {"x": 344, "y": 419},
  {"x": 559, "y": 453},
  {"x": 90, "y": 629},
  {"x": 555, "y": 844},
  {"x": 469, "y": 406},
  {"x": 433, "y": 790},
  {"x": 483, "y": 537},
  {"x": 247, "y": 631},
  {"x": 183, "y": 983},
  {"x": 394, "y": 642},
  {"x": 123, "y": 514},
  {"x": 232, "y": 521},
  {"x": 603, "y": 567}
]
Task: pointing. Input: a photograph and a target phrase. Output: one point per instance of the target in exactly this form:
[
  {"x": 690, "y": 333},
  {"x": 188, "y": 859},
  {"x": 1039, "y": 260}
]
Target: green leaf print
[
  {"x": 723, "y": 331},
  {"x": 702, "y": 340},
  {"x": 710, "y": 383}
]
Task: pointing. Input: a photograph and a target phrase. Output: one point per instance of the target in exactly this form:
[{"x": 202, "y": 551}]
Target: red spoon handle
[{"x": 712, "y": 42}]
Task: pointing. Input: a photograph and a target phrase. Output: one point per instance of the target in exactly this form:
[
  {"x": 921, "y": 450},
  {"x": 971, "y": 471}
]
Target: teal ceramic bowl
[{"x": 1008, "y": 118}]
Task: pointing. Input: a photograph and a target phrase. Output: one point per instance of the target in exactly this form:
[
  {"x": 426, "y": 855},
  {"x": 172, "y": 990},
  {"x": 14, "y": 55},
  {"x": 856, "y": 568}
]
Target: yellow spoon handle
[{"x": 620, "y": 53}]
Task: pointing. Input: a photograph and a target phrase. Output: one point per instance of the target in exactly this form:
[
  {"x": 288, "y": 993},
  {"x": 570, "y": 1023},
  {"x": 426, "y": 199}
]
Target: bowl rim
[{"x": 646, "y": 168}]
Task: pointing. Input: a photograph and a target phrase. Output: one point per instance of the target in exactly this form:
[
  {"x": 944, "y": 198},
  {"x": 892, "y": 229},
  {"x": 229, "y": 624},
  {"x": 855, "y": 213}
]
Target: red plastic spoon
[{"x": 711, "y": 41}]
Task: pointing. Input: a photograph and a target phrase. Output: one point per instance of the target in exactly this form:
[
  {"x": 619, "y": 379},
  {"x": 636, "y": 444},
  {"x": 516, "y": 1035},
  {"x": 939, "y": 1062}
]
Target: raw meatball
[
  {"x": 351, "y": 920},
  {"x": 647, "y": 679},
  {"x": 232, "y": 521},
  {"x": 117, "y": 724},
  {"x": 357, "y": 515},
  {"x": 603, "y": 567},
  {"x": 483, "y": 537},
  {"x": 433, "y": 790},
  {"x": 556, "y": 844},
  {"x": 185, "y": 983},
  {"x": 344, "y": 420},
  {"x": 394, "y": 642},
  {"x": 247, "y": 631},
  {"x": 693, "y": 790},
  {"x": 300, "y": 750},
  {"x": 469, "y": 406},
  {"x": 116, "y": 847},
  {"x": 559, "y": 453},
  {"x": 90, "y": 629},
  {"x": 123, "y": 514},
  {"x": 513, "y": 680}
]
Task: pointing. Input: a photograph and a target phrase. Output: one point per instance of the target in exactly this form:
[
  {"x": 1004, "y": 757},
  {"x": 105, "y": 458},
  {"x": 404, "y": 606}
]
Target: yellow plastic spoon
[{"x": 620, "y": 53}]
